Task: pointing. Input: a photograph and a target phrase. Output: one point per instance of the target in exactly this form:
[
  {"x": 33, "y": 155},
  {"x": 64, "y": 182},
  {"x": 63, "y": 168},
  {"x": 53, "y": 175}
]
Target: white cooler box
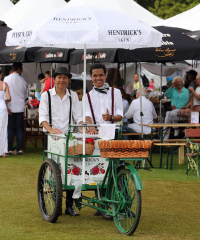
[{"x": 95, "y": 168}]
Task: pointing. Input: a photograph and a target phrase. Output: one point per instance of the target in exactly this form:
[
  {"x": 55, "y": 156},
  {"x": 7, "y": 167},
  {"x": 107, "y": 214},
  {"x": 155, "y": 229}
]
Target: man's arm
[
  {"x": 92, "y": 130},
  {"x": 50, "y": 129}
]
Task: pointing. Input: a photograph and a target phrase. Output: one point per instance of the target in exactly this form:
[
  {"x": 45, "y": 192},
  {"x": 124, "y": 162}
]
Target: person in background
[
  {"x": 42, "y": 79},
  {"x": 179, "y": 97},
  {"x": 19, "y": 97},
  {"x": 148, "y": 111},
  {"x": 151, "y": 84},
  {"x": 4, "y": 98},
  {"x": 190, "y": 79},
  {"x": 79, "y": 92},
  {"x": 125, "y": 106},
  {"x": 185, "y": 112},
  {"x": 136, "y": 84},
  {"x": 49, "y": 83}
]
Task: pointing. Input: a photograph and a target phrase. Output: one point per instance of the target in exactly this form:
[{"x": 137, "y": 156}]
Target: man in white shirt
[
  {"x": 19, "y": 96},
  {"x": 60, "y": 114},
  {"x": 103, "y": 103},
  {"x": 148, "y": 111},
  {"x": 101, "y": 110}
]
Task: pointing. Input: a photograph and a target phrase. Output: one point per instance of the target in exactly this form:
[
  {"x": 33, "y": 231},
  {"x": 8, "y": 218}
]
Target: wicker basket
[
  {"x": 78, "y": 149},
  {"x": 124, "y": 148}
]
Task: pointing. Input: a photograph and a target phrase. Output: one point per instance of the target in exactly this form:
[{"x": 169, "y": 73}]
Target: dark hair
[
  {"x": 41, "y": 76},
  {"x": 97, "y": 66},
  {"x": 48, "y": 72},
  {"x": 16, "y": 66},
  {"x": 122, "y": 91}
]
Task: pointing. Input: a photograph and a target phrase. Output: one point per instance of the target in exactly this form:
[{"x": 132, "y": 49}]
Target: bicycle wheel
[
  {"x": 49, "y": 191},
  {"x": 129, "y": 204}
]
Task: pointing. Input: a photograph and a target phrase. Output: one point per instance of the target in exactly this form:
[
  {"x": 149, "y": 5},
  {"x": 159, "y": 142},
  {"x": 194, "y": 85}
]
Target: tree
[
  {"x": 145, "y": 3},
  {"x": 169, "y": 8}
]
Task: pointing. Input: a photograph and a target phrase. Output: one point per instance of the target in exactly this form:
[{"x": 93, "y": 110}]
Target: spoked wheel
[
  {"x": 50, "y": 190},
  {"x": 129, "y": 203}
]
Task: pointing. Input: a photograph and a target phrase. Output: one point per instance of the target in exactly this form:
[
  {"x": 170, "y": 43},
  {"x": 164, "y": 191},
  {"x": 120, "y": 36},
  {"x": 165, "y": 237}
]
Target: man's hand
[
  {"x": 9, "y": 111},
  {"x": 55, "y": 131},
  {"x": 92, "y": 131},
  {"x": 184, "y": 107},
  {"x": 106, "y": 116},
  {"x": 173, "y": 107}
]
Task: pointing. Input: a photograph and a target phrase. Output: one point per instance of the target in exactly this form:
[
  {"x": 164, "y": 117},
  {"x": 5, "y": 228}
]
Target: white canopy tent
[
  {"x": 27, "y": 9},
  {"x": 5, "y": 6},
  {"x": 186, "y": 20},
  {"x": 129, "y": 7}
]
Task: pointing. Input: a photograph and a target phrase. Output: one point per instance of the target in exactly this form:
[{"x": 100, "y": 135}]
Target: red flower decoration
[
  {"x": 89, "y": 141},
  {"x": 95, "y": 170},
  {"x": 76, "y": 171},
  {"x": 35, "y": 103},
  {"x": 68, "y": 171},
  {"x": 103, "y": 171}
]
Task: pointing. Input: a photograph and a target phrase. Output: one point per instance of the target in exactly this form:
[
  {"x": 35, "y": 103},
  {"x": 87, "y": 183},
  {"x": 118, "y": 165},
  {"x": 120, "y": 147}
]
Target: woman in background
[
  {"x": 4, "y": 98},
  {"x": 47, "y": 85}
]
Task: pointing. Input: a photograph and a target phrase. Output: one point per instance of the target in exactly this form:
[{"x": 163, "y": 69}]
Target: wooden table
[{"x": 165, "y": 125}]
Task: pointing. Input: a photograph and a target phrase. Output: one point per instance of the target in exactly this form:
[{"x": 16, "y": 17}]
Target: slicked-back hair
[{"x": 97, "y": 66}]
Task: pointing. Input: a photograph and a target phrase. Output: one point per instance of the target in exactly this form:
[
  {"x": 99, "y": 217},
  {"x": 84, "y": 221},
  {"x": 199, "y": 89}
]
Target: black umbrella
[
  {"x": 18, "y": 54},
  {"x": 175, "y": 47},
  {"x": 94, "y": 55},
  {"x": 3, "y": 32},
  {"x": 48, "y": 54},
  {"x": 193, "y": 34}
]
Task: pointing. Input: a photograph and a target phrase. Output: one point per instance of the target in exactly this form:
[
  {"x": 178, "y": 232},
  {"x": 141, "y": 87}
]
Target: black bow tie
[{"x": 105, "y": 90}]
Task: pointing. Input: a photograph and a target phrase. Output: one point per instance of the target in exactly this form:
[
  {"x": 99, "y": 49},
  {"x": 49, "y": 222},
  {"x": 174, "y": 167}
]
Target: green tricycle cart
[{"x": 115, "y": 181}]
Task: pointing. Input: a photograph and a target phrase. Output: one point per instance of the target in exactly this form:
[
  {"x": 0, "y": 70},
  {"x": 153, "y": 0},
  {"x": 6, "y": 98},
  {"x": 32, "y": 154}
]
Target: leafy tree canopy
[{"x": 169, "y": 8}]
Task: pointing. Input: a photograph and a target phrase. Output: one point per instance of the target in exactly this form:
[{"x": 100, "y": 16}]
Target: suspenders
[
  {"x": 91, "y": 108},
  {"x": 70, "y": 108}
]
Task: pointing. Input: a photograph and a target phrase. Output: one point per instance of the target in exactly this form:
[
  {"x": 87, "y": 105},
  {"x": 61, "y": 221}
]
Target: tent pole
[
  {"x": 84, "y": 107},
  {"x": 124, "y": 75},
  {"x": 140, "y": 85},
  {"x": 161, "y": 90},
  {"x": 51, "y": 76}
]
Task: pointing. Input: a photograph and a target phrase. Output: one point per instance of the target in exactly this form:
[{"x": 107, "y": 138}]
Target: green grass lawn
[{"x": 170, "y": 205}]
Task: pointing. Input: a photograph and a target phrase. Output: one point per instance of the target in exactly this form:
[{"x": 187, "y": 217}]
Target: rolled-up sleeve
[
  {"x": 118, "y": 104},
  {"x": 77, "y": 109},
  {"x": 44, "y": 108}
]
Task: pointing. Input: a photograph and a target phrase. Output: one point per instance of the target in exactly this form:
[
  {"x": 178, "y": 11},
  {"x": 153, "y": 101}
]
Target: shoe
[
  {"x": 97, "y": 213},
  {"x": 176, "y": 132},
  {"x": 20, "y": 152},
  {"x": 9, "y": 153},
  {"x": 71, "y": 211}
]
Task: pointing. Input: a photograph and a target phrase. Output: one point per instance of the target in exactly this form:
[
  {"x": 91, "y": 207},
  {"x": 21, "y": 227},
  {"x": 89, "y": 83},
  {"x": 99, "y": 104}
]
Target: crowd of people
[{"x": 184, "y": 98}]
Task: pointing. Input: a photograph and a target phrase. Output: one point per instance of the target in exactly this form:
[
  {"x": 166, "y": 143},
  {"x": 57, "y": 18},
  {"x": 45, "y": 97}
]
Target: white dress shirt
[
  {"x": 125, "y": 108},
  {"x": 101, "y": 102},
  {"x": 149, "y": 114},
  {"x": 59, "y": 109},
  {"x": 18, "y": 92}
]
